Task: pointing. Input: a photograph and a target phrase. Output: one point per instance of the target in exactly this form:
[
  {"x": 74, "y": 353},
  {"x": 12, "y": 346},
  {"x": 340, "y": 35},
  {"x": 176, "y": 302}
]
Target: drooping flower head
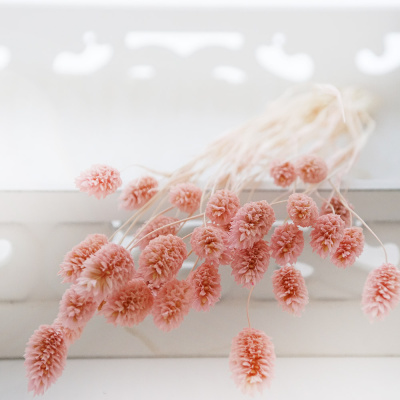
[
  {"x": 350, "y": 247},
  {"x": 70, "y": 335},
  {"x": 138, "y": 192},
  {"x": 99, "y": 180},
  {"x": 72, "y": 266},
  {"x": 172, "y": 304},
  {"x": 252, "y": 360},
  {"x": 45, "y": 357},
  {"x": 250, "y": 224},
  {"x": 290, "y": 289},
  {"x": 208, "y": 242},
  {"x": 381, "y": 291},
  {"x": 186, "y": 197},
  {"x": 283, "y": 173},
  {"x": 335, "y": 205},
  {"x": 327, "y": 234},
  {"x": 311, "y": 169},
  {"x": 302, "y": 209},
  {"x": 249, "y": 265},
  {"x": 287, "y": 243},
  {"x": 222, "y": 207}
]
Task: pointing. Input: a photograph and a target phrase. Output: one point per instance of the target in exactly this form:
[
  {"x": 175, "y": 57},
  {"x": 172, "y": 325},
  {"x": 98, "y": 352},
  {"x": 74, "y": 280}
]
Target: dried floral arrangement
[{"x": 306, "y": 138}]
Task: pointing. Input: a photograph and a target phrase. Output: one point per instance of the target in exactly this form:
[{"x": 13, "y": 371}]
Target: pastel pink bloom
[
  {"x": 161, "y": 260},
  {"x": 311, "y": 169},
  {"x": 129, "y": 305},
  {"x": 157, "y": 223},
  {"x": 186, "y": 197},
  {"x": 338, "y": 209},
  {"x": 249, "y": 265},
  {"x": 138, "y": 192},
  {"x": 106, "y": 271},
  {"x": 222, "y": 207},
  {"x": 250, "y": 224},
  {"x": 70, "y": 335},
  {"x": 381, "y": 291},
  {"x": 287, "y": 243},
  {"x": 327, "y": 234},
  {"x": 290, "y": 289},
  {"x": 172, "y": 304},
  {"x": 302, "y": 209},
  {"x": 350, "y": 247},
  {"x": 206, "y": 285},
  {"x": 208, "y": 242},
  {"x": 45, "y": 357},
  {"x": 283, "y": 173},
  {"x": 99, "y": 180},
  {"x": 72, "y": 266},
  {"x": 252, "y": 360}
]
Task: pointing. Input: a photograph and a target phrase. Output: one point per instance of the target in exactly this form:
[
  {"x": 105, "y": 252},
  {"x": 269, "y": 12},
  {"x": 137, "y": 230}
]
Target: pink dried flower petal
[
  {"x": 129, "y": 305},
  {"x": 252, "y": 360},
  {"x": 287, "y": 243},
  {"x": 45, "y": 357},
  {"x": 222, "y": 207},
  {"x": 138, "y": 192},
  {"x": 70, "y": 335},
  {"x": 172, "y": 303},
  {"x": 186, "y": 197},
  {"x": 208, "y": 242},
  {"x": 72, "y": 266},
  {"x": 311, "y": 169},
  {"x": 302, "y": 209},
  {"x": 99, "y": 180},
  {"x": 250, "y": 224},
  {"x": 249, "y": 265},
  {"x": 327, "y": 234},
  {"x": 338, "y": 209},
  {"x": 290, "y": 289},
  {"x": 350, "y": 247},
  {"x": 381, "y": 291},
  {"x": 283, "y": 173}
]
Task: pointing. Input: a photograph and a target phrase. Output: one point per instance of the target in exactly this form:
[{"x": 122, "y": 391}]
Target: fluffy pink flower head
[
  {"x": 222, "y": 207},
  {"x": 99, "y": 180},
  {"x": 157, "y": 223},
  {"x": 186, "y": 197},
  {"x": 138, "y": 192},
  {"x": 161, "y": 260},
  {"x": 252, "y": 360},
  {"x": 206, "y": 285},
  {"x": 172, "y": 303},
  {"x": 129, "y": 305},
  {"x": 381, "y": 291},
  {"x": 350, "y": 247},
  {"x": 72, "y": 266},
  {"x": 249, "y": 265},
  {"x": 311, "y": 169},
  {"x": 287, "y": 243},
  {"x": 283, "y": 173},
  {"x": 250, "y": 224},
  {"x": 70, "y": 335},
  {"x": 45, "y": 357},
  {"x": 290, "y": 289},
  {"x": 327, "y": 234},
  {"x": 336, "y": 204},
  {"x": 302, "y": 209},
  {"x": 107, "y": 270}
]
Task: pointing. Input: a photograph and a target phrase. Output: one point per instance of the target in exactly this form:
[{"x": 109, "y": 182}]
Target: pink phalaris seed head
[
  {"x": 99, "y": 180},
  {"x": 350, "y": 247},
  {"x": 222, "y": 207},
  {"x": 206, "y": 285},
  {"x": 172, "y": 304},
  {"x": 283, "y": 173},
  {"x": 129, "y": 305},
  {"x": 250, "y": 224},
  {"x": 186, "y": 197},
  {"x": 106, "y": 271},
  {"x": 70, "y": 334},
  {"x": 302, "y": 209},
  {"x": 290, "y": 289},
  {"x": 252, "y": 360},
  {"x": 45, "y": 357},
  {"x": 335, "y": 205},
  {"x": 311, "y": 169},
  {"x": 381, "y": 291},
  {"x": 161, "y": 260},
  {"x": 327, "y": 234},
  {"x": 138, "y": 192},
  {"x": 287, "y": 243},
  {"x": 72, "y": 266},
  {"x": 249, "y": 265},
  {"x": 156, "y": 223},
  {"x": 208, "y": 242}
]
